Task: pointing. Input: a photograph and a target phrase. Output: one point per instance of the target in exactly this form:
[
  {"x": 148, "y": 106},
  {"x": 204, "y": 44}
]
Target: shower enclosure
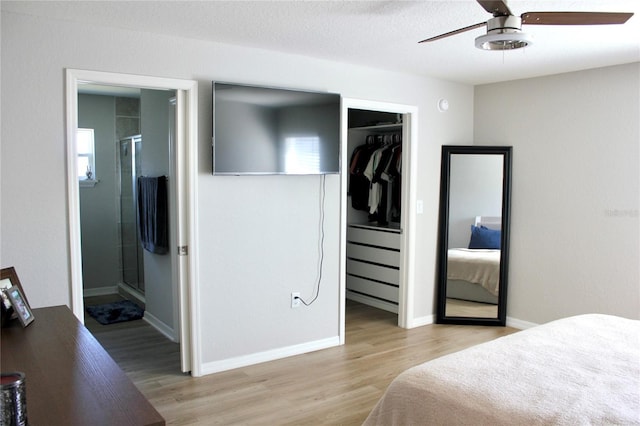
[{"x": 131, "y": 249}]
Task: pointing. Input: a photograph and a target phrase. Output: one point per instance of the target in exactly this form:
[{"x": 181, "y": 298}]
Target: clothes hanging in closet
[
  {"x": 358, "y": 182},
  {"x": 375, "y": 169}
]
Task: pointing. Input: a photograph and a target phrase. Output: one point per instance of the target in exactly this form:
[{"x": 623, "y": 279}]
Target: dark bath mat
[{"x": 111, "y": 313}]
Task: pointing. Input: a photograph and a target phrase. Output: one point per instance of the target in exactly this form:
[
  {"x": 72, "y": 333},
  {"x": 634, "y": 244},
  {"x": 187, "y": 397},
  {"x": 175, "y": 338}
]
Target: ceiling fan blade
[
  {"x": 574, "y": 18},
  {"x": 495, "y": 7},
  {"x": 450, "y": 33}
]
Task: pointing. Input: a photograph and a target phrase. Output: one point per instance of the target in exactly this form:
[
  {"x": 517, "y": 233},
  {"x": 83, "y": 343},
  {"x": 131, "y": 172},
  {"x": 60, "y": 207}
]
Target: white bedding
[
  {"x": 582, "y": 370},
  {"x": 478, "y": 266}
]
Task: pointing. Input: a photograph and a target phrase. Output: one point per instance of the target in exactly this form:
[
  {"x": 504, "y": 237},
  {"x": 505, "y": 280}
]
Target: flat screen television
[{"x": 266, "y": 130}]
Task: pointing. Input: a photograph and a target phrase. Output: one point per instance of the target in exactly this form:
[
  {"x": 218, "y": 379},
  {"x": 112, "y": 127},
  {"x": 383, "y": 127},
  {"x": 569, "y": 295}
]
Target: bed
[
  {"x": 581, "y": 370},
  {"x": 474, "y": 273}
]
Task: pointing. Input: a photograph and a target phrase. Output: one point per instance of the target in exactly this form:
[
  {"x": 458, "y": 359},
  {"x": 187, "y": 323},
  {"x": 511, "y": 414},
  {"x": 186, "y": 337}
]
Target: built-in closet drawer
[
  {"x": 374, "y": 236},
  {"x": 373, "y": 265}
]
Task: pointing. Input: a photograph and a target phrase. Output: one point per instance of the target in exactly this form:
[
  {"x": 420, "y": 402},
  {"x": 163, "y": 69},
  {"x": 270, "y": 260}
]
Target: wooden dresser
[{"x": 70, "y": 378}]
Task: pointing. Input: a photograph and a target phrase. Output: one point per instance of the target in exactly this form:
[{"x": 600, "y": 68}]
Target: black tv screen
[{"x": 265, "y": 130}]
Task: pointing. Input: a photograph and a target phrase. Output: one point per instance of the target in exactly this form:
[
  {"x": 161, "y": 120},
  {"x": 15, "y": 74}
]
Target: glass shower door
[{"x": 131, "y": 249}]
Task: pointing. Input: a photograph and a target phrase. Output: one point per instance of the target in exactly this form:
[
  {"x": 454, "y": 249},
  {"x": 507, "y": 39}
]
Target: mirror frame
[{"x": 443, "y": 234}]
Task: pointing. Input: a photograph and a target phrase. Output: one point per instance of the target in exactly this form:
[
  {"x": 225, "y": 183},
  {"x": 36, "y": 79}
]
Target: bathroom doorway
[{"x": 168, "y": 306}]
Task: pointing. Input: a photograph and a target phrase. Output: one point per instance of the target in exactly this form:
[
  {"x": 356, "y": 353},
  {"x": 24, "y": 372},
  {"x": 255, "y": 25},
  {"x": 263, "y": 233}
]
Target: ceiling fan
[{"x": 504, "y": 30}]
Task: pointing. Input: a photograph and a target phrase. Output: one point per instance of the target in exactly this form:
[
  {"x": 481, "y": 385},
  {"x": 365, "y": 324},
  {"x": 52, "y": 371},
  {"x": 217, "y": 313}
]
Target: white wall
[
  {"x": 257, "y": 235},
  {"x": 576, "y": 184}
]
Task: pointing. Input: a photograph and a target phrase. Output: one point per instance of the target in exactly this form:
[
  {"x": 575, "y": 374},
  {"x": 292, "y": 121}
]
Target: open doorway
[
  {"x": 378, "y": 261},
  {"x": 128, "y": 145},
  {"x": 158, "y": 282}
]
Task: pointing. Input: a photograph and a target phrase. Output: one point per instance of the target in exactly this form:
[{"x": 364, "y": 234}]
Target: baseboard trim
[
  {"x": 99, "y": 291},
  {"x": 419, "y": 322},
  {"x": 520, "y": 324},
  {"x": 271, "y": 355},
  {"x": 163, "y": 328},
  {"x": 511, "y": 322}
]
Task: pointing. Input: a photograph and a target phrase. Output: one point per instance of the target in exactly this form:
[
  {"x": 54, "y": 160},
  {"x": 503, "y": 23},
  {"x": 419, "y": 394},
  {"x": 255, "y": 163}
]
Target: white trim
[
  {"x": 73, "y": 190},
  {"x": 191, "y": 293},
  {"x": 408, "y": 216},
  {"x": 162, "y": 328},
  {"x": 270, "y": 355},
  {"x": 520, "y": 324},
  {"x": 189, "y": 88},
  {"x": 342, "y": 262},
  {"x": 409, "y": 171},
  {"x": 420, "y": 321}
]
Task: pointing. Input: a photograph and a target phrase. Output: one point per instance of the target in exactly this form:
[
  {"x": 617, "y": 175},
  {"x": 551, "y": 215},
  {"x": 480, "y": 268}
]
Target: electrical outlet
[{"x": 295, "y": 300}]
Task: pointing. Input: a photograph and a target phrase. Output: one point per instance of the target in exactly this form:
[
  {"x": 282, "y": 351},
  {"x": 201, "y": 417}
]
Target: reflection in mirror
[{"x": 474, "y": 230}]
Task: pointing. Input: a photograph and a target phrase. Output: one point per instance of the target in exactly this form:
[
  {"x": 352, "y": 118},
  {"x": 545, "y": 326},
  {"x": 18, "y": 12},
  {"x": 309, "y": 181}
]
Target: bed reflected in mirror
[{"x": 474, "y": 234}]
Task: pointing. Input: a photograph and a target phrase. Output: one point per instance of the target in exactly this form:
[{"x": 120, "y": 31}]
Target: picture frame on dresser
[
  {"x": 9, "y": 279},
  {"x": 20, "y": 306}
]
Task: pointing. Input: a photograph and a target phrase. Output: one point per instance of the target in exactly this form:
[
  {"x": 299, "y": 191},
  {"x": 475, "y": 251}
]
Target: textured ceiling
[{"x": 381, "y": 34}]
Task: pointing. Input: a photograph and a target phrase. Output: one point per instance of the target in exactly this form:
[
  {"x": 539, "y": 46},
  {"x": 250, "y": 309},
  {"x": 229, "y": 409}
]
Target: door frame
[
  {"x": 185, "y": 164},
  {"x": 408, "y": 211}
]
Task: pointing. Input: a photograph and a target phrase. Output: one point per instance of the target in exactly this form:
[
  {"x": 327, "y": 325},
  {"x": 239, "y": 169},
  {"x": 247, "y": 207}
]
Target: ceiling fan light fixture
[
  {"x": 504, "y": 30},
  {"x": 504, "y": 41}
]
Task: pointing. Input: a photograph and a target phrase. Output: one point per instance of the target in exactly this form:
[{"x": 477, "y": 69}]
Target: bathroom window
[{"x": 86, "y": 167}]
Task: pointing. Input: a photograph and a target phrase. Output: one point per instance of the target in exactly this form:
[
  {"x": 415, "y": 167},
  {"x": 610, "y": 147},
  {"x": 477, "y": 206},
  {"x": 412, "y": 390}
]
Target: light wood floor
[
  {"x": 465, "y": 308},
  {"x": 337, "y": 386}
]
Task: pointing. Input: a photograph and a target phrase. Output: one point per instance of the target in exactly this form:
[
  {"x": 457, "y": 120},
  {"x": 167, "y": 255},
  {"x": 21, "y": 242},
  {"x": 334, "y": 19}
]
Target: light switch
[{"x": 419, "y": 207}]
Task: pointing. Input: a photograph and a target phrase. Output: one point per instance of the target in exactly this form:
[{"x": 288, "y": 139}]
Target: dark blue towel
[{"x": 153, "y": 214}]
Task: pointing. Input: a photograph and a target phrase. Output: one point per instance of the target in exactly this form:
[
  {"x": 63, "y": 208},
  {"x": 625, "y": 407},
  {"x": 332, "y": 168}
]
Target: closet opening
[
  {"x": 378, "y": 248},
  {"x": 374, "y": 208}
]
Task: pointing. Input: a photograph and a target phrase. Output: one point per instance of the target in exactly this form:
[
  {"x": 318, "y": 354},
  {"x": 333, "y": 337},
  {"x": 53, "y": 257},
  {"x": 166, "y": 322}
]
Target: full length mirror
[{"x": 474, "y": 234}]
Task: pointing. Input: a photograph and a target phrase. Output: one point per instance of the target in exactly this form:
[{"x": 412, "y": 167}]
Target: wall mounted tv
[{"x": 266, "y": 130}]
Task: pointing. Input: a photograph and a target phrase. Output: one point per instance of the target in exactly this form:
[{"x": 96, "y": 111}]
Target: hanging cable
[{"x": 320, "y": 240}]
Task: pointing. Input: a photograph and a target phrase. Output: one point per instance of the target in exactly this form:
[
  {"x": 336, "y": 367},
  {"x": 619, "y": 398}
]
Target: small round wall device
[{"x": 443, "y": 105}]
